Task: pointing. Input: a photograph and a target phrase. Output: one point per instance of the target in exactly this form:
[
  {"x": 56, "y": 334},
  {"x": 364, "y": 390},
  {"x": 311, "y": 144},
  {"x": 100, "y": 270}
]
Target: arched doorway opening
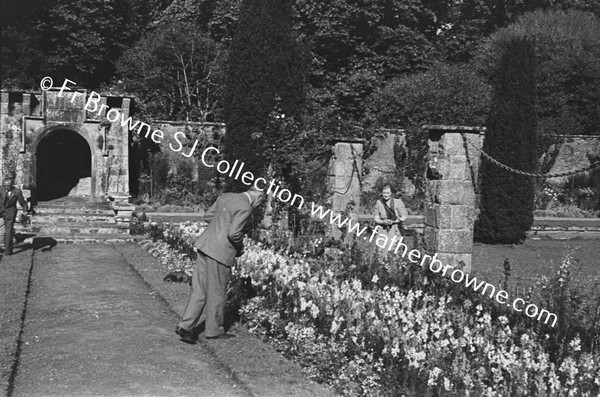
[{"x": 63, "y": 166}]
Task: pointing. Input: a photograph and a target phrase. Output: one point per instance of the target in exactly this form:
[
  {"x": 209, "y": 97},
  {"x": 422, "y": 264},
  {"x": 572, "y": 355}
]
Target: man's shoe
[
  {"x": 185, "y": 335},
  {"x": 222, "y": 336}
]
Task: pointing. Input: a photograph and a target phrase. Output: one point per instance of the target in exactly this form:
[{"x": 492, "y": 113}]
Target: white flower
[
  {"x": 574, "y": 344},
  {"x": 375, "y": 279},
  {"x": 314, "y": 311},
  {"x": 447, "y": 384}
]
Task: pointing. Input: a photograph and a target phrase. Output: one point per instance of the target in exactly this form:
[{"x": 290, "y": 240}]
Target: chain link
[{"x": 531, "y": 174}]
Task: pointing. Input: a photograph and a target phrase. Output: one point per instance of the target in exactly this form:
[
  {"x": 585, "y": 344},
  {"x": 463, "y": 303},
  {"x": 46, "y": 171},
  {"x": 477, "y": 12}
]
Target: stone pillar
[
  {"x": 3, "y": 103},
  {"x": 344, "y": 184},
  {"x": 450, "y": 199},
  {"x": 26, "y": 104}
]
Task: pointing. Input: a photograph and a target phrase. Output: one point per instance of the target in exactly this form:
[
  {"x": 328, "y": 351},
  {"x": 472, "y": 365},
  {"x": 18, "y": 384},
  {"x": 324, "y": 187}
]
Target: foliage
[
  {"x": 395, "y": 329},
  {"x": 568, "y": 67},
  {"x": 138, "y": 222},
  {"x": 454, "y": 95},
  {"x": 79, "y": 41},
  {"x": 177, "y": 72},
  {"x": 506, "y": 197},
  {"x": 356, "y": 46},
  {"x": 9, "y": 150},
  {"x": 265, "y": 78},
  {"x": 577, "y": 305},
  {"x": 578, "y": 196},
  {"x": 451, "y": 95}
]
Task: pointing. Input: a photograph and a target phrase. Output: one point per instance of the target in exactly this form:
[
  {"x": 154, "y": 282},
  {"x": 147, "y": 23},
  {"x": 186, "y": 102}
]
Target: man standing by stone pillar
[{"x": 9, "y": 195}]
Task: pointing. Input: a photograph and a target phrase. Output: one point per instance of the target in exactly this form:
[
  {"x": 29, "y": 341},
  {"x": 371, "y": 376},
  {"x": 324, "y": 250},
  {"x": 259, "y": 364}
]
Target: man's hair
[
  {"x": 387, "y": 186},
  {"x": 9, "y": 179}
]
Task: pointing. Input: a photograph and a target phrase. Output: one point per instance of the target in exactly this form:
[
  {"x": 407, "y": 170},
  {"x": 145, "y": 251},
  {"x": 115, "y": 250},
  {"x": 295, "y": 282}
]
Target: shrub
[
  {"x": 368, "y": 332},
  {"x": 568, "y": 67},
  {"x": 507, "y": 198},
  {"x": 445, "y": 94},
  {"x": 264, "y": 77}
]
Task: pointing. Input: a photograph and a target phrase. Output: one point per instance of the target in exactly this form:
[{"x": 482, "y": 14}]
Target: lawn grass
[{"x": 535, "y": 258}]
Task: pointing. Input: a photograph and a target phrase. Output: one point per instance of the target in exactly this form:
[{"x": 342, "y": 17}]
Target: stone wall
[
  {"x": 28, "y": 118},
  {"x": 207, "y": 134},
  {"x": 574, "y": 153},
  {"x": 381, "y": 162}
]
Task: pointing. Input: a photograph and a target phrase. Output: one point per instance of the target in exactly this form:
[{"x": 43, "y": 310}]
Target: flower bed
[{"x": 374, "y": 337}]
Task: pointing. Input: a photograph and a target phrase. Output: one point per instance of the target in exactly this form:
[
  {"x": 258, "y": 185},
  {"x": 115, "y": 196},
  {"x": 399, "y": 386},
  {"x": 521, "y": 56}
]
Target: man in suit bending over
[
  {"x": 9, "y": 195},
  {"x": 217, "y": 248}
]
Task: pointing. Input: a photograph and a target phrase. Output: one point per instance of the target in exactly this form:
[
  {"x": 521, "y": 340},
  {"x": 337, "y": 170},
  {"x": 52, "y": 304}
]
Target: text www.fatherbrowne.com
[
  {"x": 396, "y": 245},
  {"x": 274, "y": 189}
]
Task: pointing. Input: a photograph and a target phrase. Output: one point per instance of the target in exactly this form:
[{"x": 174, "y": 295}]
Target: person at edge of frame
[
  {"x": 390, "y": 212},
  {"x": 9, "y": 196},
  {"x": 217, "y": 247}
]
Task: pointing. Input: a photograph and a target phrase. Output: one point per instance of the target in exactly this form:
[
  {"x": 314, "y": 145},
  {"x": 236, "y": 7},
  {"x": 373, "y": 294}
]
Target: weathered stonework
[
  {"x": 55, "y": 148},
  {"x": 344, "y": 182},
  {"x": 450, "y": 206}
]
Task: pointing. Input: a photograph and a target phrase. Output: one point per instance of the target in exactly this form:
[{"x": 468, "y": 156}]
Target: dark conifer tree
[
  {"x": 264, "y": 78},
  {"x": 507, "y": 198}
]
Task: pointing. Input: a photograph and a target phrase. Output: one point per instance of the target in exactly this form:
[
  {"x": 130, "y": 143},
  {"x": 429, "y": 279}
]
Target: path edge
[{"x": 231, "y": 355}]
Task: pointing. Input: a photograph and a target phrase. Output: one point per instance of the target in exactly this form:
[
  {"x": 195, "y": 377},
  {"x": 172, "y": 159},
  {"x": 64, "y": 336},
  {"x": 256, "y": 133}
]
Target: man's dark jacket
[{"x": 8, "y": 203}]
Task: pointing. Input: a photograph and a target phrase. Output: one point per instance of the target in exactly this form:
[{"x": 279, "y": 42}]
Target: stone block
[
  {"x": 454, "y": 192},
  {"x": 458, "y": 169},
  {"x": 429, "y": 218},
  {"x": 454, "y": 241},
  {"x": 4, "y": 102},
  {"x": 462, "y": 217},
  {"x": 440, "y": 216},
  {"x": 451, "y": 143},
  {"x": 430, "y": 239}
]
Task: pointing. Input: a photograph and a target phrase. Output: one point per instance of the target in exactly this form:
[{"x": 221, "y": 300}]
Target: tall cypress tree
[
  {"x": 507, "y": 198},
  {"x": 264, "y": 78}
]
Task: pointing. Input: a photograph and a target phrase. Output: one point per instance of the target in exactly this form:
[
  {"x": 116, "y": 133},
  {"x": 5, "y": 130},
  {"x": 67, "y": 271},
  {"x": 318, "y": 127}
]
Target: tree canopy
[{"x": 568, "y": 73}]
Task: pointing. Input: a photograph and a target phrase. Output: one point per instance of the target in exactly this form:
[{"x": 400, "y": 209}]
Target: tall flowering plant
[{"x": 372, "y": 338}]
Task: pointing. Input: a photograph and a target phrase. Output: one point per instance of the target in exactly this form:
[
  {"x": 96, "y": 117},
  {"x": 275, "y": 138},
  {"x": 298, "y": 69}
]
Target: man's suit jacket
[
  {"x": 8, "y": 203},
  {"x": 223, "y": 238}
]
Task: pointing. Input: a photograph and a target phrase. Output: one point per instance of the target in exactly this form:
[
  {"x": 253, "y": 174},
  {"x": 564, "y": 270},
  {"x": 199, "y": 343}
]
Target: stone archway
[{"x": 63, "y": 165}]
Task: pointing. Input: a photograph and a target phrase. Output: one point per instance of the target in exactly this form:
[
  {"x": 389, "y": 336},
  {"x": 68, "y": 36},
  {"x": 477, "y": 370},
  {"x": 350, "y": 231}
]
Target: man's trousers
[
  {"x": 207, "y": 296},
  {"x": 9, "y": 232}
]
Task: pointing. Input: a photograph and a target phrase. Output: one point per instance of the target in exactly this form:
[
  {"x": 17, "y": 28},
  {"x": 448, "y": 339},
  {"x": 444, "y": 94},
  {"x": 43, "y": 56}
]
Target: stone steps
[
  {"x": 45, "y": 218},
  {"x": 76, "y": 219},
  {"x": 49, "y": 228},
  {"x": 105, "y": 238},
  {"x": 73, "y": 210}
]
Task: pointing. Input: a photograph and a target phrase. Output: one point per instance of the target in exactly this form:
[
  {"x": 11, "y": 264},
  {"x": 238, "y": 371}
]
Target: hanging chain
[
  {"x": 473, "y": 176},
  {"x": 531, "y": 174}
]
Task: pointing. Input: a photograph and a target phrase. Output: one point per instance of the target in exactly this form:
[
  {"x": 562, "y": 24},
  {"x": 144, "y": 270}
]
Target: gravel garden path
[
  {"x": 93, "y": 327},
  {"x": 98, "y": 320}
]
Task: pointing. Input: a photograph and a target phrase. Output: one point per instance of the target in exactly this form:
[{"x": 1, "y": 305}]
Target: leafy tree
[
  {"x": 445, "y": 94},
  {"x": 264, "y": 81},
  {"x": 64, "y": 39},
  {"x": 568, "y": 73},
  {"x": 506, "y": 197},
  {"x": 176, "y": 71},
  {"x": 357, "y": 45},
  {"x": 20, "y": 56}
]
